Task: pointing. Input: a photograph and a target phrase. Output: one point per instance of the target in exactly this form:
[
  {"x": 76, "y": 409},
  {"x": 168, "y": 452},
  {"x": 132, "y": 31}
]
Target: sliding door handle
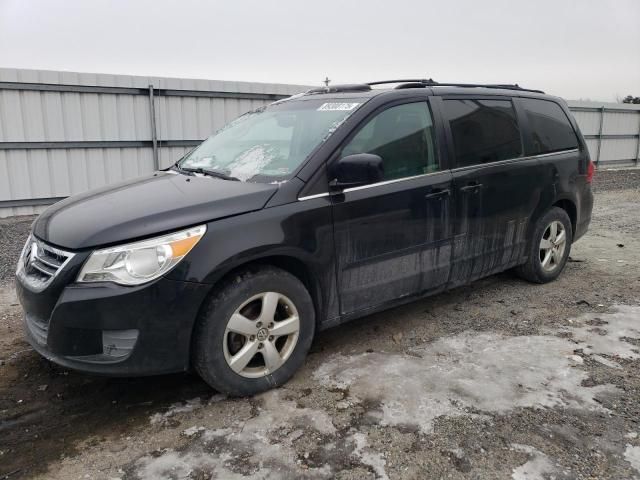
[
  {"x": 438, "y": 193},
  {"x": 471, "y": 187}
]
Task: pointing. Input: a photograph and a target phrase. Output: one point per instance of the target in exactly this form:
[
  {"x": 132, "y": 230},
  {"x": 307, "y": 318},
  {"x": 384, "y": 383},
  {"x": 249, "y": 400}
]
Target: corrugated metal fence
[
  {"x": 612, "y": 131},
  {"x": 62, "y": 133}
]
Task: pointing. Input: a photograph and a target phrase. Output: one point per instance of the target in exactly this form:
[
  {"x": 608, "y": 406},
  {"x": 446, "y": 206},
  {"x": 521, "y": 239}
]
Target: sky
[{"x": 577, "y": 49}]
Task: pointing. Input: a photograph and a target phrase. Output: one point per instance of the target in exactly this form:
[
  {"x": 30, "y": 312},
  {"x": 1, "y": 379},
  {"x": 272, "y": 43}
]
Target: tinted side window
[
  {"x": 402, "y": 136},
  {"x": 483, "y": 130},
  {"x": 550, "y": 127}
]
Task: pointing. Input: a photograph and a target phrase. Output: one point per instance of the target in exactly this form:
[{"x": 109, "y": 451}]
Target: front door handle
[
  {"x": 438, "y": 193},
  {"x": 471, "y": 187}
]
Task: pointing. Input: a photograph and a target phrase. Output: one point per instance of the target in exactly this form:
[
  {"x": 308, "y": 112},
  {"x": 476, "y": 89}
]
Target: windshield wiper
[{"x": 208, "y": 171}]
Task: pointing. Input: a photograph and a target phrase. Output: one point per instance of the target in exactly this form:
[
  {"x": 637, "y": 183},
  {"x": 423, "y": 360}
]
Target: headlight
[{"x": 140, "y": 262}]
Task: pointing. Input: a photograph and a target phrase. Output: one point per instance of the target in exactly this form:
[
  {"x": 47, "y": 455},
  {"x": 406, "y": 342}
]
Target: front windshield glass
[{"x": 268, "y": 144}]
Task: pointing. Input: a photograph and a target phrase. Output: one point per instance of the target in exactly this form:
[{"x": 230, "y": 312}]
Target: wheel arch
[
  {"x": 569, "y": 206},
  {"x": 289, "y": 263}
]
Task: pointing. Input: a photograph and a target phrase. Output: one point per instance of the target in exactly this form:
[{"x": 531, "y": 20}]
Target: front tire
[
  {"x": 549, "y": 249},
  {"x": 254, "y": 332}
]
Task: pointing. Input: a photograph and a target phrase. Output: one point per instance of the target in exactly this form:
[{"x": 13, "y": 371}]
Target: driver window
[{"x": 403, "y": 137}]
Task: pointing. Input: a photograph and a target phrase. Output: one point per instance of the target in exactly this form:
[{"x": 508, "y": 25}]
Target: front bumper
[{"x": 114, "y": 330}]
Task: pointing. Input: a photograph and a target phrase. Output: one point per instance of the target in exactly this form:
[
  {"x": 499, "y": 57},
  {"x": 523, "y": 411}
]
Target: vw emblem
[{"x": 262, "y": 334}]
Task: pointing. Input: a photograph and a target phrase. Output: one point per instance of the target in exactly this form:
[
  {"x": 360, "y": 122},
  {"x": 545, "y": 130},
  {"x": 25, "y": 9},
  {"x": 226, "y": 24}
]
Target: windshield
[{"x": 268, "y": 144}]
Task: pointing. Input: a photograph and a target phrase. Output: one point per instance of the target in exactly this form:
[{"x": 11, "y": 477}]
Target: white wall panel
[
  {"x": 618, "y": 150},
  {"x": 5, "y": 178},
  {"x": 589, "y": 122},
  {"x": 49, "y": 173},
  {"x": 11, "y": 113},
  {"x": 29, "y": 116},
  {"x": 592, "y": 146},
  {"x": 618, "y": 123},
  {"x": 619, "y": 119}
]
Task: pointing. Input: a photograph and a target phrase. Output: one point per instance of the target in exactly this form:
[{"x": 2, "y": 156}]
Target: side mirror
[{"x": 356, "y": 170}]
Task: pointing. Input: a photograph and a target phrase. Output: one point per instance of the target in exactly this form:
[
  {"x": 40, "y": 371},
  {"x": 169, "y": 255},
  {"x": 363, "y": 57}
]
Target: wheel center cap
[{"x": 262, "y": 334}]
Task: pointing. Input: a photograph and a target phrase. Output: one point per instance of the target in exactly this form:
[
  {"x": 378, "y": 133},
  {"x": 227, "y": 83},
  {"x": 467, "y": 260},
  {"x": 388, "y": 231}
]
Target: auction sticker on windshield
[{"x": 337, "y": 106}]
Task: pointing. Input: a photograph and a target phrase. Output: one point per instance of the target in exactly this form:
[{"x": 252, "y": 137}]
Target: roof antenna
[{"x": 326, "y": 81}]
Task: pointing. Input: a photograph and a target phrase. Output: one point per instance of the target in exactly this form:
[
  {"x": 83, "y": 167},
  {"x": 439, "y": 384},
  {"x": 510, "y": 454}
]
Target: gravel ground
[
  {"x": 499, "y": 379},
  {"x": 617, "y": 179},
  {"x": 13, "y": 234}
]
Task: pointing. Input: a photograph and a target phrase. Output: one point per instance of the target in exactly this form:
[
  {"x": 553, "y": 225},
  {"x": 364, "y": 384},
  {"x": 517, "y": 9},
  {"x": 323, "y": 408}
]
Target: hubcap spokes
[
  {"x": 261, "y": 335},
  {"x": 552, "y": 246}
]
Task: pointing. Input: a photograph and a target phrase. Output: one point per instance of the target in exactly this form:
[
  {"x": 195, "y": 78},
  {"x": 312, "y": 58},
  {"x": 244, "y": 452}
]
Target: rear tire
[
  {"x": 549, "y": 249},
  {"x": 254, "y": 332}
]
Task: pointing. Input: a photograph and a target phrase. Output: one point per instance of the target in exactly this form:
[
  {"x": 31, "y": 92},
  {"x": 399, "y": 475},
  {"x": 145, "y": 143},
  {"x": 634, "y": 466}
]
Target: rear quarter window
[
  {"x": 483, "y": 131},
  {"x": 549, "y": 128}
]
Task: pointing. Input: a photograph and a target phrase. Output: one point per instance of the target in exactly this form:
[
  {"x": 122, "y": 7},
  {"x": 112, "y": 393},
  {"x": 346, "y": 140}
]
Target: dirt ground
[{"x": 499, "y": 379}]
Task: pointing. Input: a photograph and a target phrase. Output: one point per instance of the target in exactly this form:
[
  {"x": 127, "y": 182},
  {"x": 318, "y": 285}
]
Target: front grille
[{"x": 40, "y": 263}]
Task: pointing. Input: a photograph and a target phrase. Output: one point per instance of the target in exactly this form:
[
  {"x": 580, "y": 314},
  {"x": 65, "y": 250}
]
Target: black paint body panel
[
  {"x": 145, "y": 206},
  {"x": 392, "y": 241}
]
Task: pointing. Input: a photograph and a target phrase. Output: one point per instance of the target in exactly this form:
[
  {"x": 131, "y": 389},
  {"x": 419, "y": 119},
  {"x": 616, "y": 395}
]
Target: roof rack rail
[
  {"x": 407, "y": 80},
  {"x": 403, "y": 86},
  {"x": 412, "y": 83},
  {"x": 415, "y": 83},
  {"x": 502, "y": 86},
  {"x": 347, "y": 87}
]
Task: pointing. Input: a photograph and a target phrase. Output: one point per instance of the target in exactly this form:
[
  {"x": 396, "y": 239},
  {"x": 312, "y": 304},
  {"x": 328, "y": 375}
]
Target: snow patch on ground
[
  {"x": 368, "y": 457},
  {"x": 176, "y": 408},
  {"x": 171, "y": 464},
  {"x": 276, "y": 411},
  {"x": 191, "y": 431},
  {"x": 538, "y": 467},
  {"x": 606, "y": 362},
  {"x": 183, "y": 407},
  {"x": 253, "y": 448},
  {"x": 604, "y": 334},
  {"x": 486, "y": 371},
  {"x": 632, "y": 455}
]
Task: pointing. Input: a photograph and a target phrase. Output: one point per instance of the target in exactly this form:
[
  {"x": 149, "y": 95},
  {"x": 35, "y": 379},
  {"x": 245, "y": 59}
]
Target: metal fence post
[
  {"x": 600, "y": 129},
  {"x": 638, "y": 141},
  {"x": 154, "y": 133}
]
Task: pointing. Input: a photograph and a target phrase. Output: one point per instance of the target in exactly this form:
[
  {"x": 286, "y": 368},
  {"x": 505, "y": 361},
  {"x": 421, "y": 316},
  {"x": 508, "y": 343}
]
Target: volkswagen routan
[{"x": 298, "y": 216}]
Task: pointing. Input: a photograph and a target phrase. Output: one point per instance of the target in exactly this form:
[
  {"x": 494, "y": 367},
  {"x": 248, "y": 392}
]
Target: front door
[{"x": 393, "y": 238}]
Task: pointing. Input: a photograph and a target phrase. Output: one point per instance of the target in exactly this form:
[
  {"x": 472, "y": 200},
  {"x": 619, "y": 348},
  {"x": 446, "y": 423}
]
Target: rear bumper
[
  {"x": 584, "y": 216},
  {"x": 114, "y": 330}
]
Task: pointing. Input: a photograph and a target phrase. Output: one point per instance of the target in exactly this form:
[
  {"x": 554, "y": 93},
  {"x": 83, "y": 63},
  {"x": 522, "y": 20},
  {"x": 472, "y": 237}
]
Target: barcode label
[{"x": 337, "y": 106}]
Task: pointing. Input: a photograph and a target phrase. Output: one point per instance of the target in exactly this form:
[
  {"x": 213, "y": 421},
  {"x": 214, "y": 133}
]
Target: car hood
[{"x": 146, "y": 206}]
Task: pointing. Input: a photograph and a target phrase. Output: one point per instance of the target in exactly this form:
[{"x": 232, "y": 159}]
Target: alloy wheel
[
  {"x": 261, "y": 335},
  {"x": 552, "y": 246}
]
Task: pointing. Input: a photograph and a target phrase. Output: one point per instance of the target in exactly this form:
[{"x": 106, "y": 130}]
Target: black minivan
[{"x": 301, "y": 215}]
